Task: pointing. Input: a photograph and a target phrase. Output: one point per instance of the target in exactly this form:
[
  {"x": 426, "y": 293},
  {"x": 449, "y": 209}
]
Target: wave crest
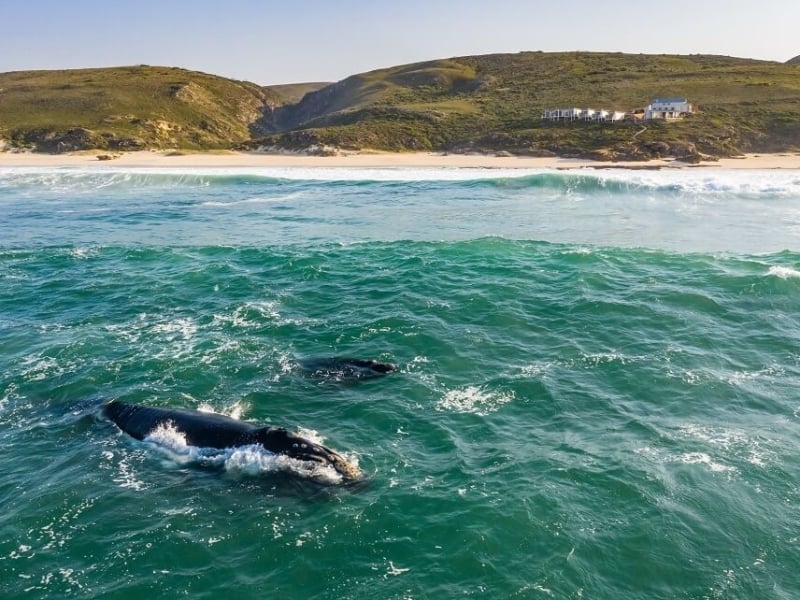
[
  {"x": 784, "y": 272},
  {"x": 694, "y": 181}
]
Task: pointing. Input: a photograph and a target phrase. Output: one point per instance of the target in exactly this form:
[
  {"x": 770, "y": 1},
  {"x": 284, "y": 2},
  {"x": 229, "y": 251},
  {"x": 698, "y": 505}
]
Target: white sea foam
[
  {"x": 111, "y": 175},
  {"x": 255, "y": 200},
  {"x": 719, "y": 182},
  {"x": 687, "y": 458},
  {"x": 177, "y": 337},
  {"x": 714, "y": 182},
  {"x": 418, "y": 360},
  {"x": 184, "y": 328},
  {"x": 9, "y": 394},
  {"x": 262, "y": 310},
  {"x": 734, "y": 443},
  {"x": 784, "y": 272},
  {"x": 255, "y": 313},
  {"x": 172, "y": 336},
  {"x": 538, "y": 369},
  {"x": 37, "y": 368},
  {"x": 602, "y": 358},
  {"x": 172, "y": 329},
  {"x": 739, "y": 378},
  {"x": 220, "y": 351},
  {"x": 719, "y": 449},
  {"x": 701, "y": 458},
  {"x": 394, "y": 571},
  {"x": 126, "y": 475},
  {"x": 473, "y": 399},
  {"x": 83, "y": 253},
  {"x": 234, "y": 411}
]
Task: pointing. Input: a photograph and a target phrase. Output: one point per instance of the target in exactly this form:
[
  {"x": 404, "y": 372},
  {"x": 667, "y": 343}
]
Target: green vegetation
[
  {"x": 472, "y": 104},
  {"x": 494, "y": 102},
  {"x": 292, "y": 93},
  {"x": 127, "y": 108}
]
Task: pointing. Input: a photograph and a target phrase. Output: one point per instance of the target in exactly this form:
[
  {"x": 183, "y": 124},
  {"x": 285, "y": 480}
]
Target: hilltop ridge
[
  {"x": 487, "y": 103},
  {"x": 493, "y": 103},
  {"x": 127, "y": 108}
]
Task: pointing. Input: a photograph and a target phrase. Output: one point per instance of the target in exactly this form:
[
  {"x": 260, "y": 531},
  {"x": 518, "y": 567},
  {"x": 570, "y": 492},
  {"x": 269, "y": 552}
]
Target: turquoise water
[{"x": 597, "y": 394}]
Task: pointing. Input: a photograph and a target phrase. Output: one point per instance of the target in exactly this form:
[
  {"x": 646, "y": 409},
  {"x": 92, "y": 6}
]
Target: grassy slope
[
  {"x": 482, "y": 103},
  {"x": 494, "y": 102},
  {"x": 292, "y": 93},
  {"x": 127, "y": 107}
]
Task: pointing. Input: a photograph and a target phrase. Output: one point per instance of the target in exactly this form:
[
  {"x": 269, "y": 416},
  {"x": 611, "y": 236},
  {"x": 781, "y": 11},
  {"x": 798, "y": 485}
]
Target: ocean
[{"x": 596, "y": 395}]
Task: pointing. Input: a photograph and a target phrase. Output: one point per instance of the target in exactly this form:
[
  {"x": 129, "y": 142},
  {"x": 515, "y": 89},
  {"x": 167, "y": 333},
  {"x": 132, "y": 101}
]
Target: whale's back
[{"x": 208, "y": 430}]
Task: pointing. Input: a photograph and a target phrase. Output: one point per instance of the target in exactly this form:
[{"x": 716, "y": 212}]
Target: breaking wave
[{"x": 693, "y": 181}]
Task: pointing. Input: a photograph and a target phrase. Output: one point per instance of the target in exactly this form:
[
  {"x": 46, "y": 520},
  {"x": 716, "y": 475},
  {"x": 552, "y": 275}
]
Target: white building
[
  {"x": 667, "y": 108},
  {"x": 581, "y": 114},
  {"x": 659, "y": 108},
  {"x": 559, "y": 114},
  {"x": 562, "y": 114}
]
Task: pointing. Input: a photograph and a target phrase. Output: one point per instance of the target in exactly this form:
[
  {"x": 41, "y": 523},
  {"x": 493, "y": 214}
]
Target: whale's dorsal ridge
[{"x": 344, "y": 367}]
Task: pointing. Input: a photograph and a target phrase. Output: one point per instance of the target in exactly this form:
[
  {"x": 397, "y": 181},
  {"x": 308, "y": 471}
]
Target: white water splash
[
  {"x": 38, "y": 367},
  {"x": 169, "y": 337},
  {"x": 234, "y": 411},
  {"x": 704, "y": 459},
  {"x": 695, "y": 181},
  {"x": 394, "y": 571},
  {"x": 254, "y": 314},
  {"x": 701, "y": 458},
  {"x": 179, "y": 328},
  {"x": 537, "y": 370},
  {"x": 84, "y": 253},
  {"x": 251, "y": 460},
  {"x": 736, "y": 443},
  {"x": 784, "y": 272},
  {"x": 473, "y": 399},
  {"x": 126, "y": 476},
  {"x": 739, "y": 378}
]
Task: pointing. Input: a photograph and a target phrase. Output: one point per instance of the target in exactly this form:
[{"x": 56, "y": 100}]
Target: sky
[{"x": 289, "y": 41}]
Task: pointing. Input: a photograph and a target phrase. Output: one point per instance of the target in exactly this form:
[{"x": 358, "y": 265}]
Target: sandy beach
[{"x": 149, "y": 159}]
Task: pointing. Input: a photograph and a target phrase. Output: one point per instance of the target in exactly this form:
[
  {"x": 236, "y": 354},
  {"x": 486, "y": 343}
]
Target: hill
[
  {"x": 494, "y": 102},
  {"x": 292, "y": 93},
  {"x": 793, "y": 61},
  {"x": 484, "y": 103},
  {"x": 128, "y": 108}
]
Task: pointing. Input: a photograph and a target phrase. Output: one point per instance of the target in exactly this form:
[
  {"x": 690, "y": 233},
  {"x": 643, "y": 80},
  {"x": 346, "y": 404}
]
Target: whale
[
  {"x": 344, "y": 368},
  {"x": 211, "y": 430}
]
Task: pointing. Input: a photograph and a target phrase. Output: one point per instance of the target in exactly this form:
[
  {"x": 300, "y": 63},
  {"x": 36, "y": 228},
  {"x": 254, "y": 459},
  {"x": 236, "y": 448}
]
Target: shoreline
[{"x": 166, "y": 159}]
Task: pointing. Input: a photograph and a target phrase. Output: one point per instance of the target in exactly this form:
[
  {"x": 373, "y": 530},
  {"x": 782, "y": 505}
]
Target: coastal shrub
[{"x": 478, "y": 103}]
